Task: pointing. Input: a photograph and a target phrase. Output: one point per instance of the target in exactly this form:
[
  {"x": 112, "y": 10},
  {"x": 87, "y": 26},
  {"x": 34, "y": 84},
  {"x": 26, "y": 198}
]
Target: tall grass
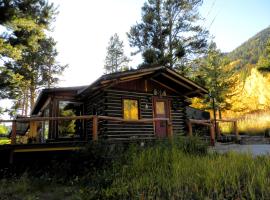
[
  {"x": 179, "y": 169},
  {"x": 254, "y": 123},
  {"x": 167, "y": 173}
]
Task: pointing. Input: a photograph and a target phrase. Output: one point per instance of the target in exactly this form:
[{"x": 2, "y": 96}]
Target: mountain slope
[{"x": 250, "y": 51}]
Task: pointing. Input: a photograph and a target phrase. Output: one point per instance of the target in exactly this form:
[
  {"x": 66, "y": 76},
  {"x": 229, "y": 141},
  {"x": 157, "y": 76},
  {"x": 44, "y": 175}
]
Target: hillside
[{"x": 250, "y": 51}]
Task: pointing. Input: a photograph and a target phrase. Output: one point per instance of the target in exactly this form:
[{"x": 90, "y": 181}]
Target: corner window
[
  {"x": 130, "y": 109},
  {"x": 69, "y": 128}
]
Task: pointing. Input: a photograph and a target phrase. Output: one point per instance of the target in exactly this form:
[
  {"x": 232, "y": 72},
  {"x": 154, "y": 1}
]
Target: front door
[{"x": 161, "y": 111}]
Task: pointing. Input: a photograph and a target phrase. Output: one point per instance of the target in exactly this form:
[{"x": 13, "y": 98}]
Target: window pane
[
  {"x": 131, "y": 109},
  {"x": 69, "y": 128},
  {"x": 160, "y": 107}
]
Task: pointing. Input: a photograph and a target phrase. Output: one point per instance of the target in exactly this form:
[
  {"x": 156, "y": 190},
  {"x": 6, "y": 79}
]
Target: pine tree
[
  {"x": 115, "y": 59},
  {"x": 28, "y": 55},
  {"x": 217, "y": 75},
  {"x": 168, "y": 34}
]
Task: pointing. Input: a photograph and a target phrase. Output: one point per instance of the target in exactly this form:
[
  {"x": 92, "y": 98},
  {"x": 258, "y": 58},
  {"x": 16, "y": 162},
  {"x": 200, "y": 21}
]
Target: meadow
[
  {"x": 179, "y": 169},
  {"x": 256, "y": 123}
]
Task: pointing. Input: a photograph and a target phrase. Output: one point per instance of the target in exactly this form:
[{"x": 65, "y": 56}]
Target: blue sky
[{"x": 235, "y": 21}]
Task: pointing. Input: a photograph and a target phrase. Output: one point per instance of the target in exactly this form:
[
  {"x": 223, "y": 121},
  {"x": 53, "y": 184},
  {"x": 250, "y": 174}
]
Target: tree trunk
[
  {"x": 219, "y": 113},
  {"x": 26, "y": 103},
  {"x": 32, "y": 96}
]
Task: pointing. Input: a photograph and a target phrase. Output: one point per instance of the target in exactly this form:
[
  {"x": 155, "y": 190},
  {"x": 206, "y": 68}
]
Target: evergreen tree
[
  {"x": 115, "y": 59},
  {"x": 27, "y": 53},
  {"x": 216, "y": 74},
  {"x": 168, "y": 34}
]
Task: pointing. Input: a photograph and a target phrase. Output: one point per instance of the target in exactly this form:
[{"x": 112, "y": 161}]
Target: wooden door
[{"x": 161, "y": 110}]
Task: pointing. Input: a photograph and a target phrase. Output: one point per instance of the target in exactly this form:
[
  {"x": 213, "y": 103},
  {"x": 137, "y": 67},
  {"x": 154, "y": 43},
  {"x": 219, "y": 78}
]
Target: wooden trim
[
  {"x": 95, "y": 128},
  {"x": 127, "y": 78},
  {"x": 48, "y": 149},
  {"x": 205, "y": 123},
  {"x": 28, "y": 119}
]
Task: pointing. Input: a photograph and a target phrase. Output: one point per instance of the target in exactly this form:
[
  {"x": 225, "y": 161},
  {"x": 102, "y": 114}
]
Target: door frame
[{"x": 167, "y": 111}]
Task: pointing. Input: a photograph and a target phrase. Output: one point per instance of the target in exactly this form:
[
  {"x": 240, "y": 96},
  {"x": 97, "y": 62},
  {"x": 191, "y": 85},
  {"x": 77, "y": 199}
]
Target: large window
[
  {"x": 69, "y": 128},
  {"x": 130, "y": 109},
  {"x": 45, "y": 126}
]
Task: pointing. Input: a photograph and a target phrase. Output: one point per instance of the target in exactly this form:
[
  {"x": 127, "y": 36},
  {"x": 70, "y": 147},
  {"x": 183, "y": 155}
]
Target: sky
[{"x": 82, "y": 30}]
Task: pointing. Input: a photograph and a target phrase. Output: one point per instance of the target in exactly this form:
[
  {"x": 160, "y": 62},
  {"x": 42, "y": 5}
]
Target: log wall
[{"x": 127, "y": 131}]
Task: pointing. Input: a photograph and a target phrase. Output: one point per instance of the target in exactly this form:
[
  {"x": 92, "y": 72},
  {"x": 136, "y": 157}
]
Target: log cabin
[{"x": 137, "y": 104}]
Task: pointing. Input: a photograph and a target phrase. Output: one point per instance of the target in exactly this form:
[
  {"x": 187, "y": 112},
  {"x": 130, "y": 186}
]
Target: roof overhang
[{"x": 164, "y": 76}]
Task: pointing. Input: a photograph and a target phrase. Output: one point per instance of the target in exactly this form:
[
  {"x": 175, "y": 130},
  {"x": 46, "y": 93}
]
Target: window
[
  {"x": 131, "y": 110},
  {"x": 45, "y": 126},
  {"x": 69, "y": 128},
  {"x": 160, "y": 108}
]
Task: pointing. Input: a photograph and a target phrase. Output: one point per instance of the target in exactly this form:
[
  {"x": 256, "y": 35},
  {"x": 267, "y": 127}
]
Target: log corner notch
[{"x": 204, "y": 123}]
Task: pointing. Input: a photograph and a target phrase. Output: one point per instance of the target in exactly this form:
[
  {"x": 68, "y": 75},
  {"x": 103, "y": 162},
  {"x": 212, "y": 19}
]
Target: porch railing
[
  {"x": 213, "y": 126},
  {"x": 33, "y": 123}
]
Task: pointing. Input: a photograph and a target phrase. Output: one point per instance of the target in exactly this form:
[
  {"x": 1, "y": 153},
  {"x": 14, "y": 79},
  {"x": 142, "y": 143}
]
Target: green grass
[{"x": 163, "y": 170}]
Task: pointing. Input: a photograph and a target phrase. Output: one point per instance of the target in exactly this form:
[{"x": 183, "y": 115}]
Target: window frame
[{"x": 139, "y": 107}]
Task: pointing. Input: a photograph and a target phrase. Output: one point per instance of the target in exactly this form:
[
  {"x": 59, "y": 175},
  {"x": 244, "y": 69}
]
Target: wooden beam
[
  {"x": 47, "y": 149},
  {"x": 212, "y": 135},
  {"x": 28, "y": 119},
  {"x": 189, "y": 128},
  {"x": 95, "y": 128},
  {"x": 203, "y": 122}
]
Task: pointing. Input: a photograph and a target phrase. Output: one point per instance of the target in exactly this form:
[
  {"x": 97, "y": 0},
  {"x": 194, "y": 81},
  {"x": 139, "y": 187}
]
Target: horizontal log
[
  {"x": 120, "y": 92},
  {"x": 225, "y": 120},
  {"x": 29, "y": 119},
  {"x": 130, "y": 139},
  {"x": 129, "y": 136},
  {"x": 133, "y": 121}
]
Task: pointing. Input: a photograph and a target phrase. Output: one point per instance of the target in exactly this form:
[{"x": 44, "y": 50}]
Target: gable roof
[{"x": 162, "y": 75}]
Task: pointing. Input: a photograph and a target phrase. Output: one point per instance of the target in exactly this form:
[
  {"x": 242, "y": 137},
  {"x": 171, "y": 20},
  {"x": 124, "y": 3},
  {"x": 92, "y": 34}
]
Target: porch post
[
  {"x": 95, "y": 128},
  {"x": 189, "y": 128},
  {"x": 212, "y": 135}
]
